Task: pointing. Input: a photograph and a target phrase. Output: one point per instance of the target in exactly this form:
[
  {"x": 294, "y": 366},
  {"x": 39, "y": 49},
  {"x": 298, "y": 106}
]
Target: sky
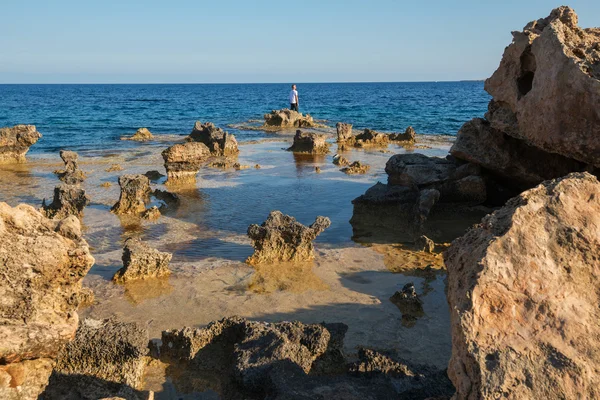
[{"x": 245, "y": 41}]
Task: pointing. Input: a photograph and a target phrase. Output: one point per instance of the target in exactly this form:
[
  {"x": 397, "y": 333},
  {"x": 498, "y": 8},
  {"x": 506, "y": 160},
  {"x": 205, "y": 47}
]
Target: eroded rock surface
[
  {"x": 369, "y": 137},
  {"x": 523, "y": 290},
  {"x": 288, "y": 119},
  {"x": 16, "y": 141},
  {"x": 71, "y": 175},
  {"x": 68, "y": 200},
  {"x": 344, "y": 131},
  {"x": 141, "y": 135},
  {"x": 183, "y": 161},
  {"x": 356, "y": 168},
  {"x": 310, "y": 142},
  {"x": 141, "y": 261},
  {"x": 409, "y": 304},
  {"x": 281, "y": 238},
  {"x": 219, "y": 142},
  {"x": 340, "y": 161},
  {"x": 135, "y": 193}
]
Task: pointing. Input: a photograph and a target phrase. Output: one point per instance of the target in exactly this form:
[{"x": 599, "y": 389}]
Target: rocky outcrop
[
  {"x": 356, "y": 168},
  {"x": 68, "y": 200},
  {"x": 309, "y": 142},
  {"x": 183, "y": 161},
  {"x": 409, "y": 136},
  {"x": 340, "y": 161},
  {"x": 344, "y": 132},
  {"x": 281, "y": 238},
  {"x": 71, "y": 175},
  {"x": 140, "y": 261},
  {"x": 135, "y": 193},
  {"x": 16, "y": 141},
  {"x": 219, "y": 142},
  {"x": 141, "y": 135},
  {"x": 106, "y": 359},
  {"x": 370, "y": 137},
  {"x": 523, "y": 290},
  {"x": 114, "y": 168},
  {"x": 409, "y": 304},
  {"x": 423, "y": 243},
  {"x": 288, "y": 119},
  {"x": 151, "y": 214},
  {"x": 43, "y": 262}
]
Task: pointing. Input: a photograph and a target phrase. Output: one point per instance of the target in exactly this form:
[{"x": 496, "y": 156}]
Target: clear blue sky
[{"x": 261, "y": 41}]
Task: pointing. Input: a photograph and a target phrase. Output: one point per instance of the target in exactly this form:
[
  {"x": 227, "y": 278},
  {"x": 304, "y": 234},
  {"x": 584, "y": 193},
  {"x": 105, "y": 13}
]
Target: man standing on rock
[{"x": 294, "y": 99}]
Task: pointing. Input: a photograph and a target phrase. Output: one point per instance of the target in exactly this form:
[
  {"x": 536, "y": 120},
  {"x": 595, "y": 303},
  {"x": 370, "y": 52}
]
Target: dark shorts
[{"x": 294, "y": 106}]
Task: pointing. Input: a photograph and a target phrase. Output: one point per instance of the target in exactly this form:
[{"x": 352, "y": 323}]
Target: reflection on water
[
  {"x": 141, "y": 290},
  {"x": 293, "y": 277}
]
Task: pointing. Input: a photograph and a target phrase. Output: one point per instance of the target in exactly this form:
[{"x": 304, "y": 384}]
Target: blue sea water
[{"x": 94, "y": 117}]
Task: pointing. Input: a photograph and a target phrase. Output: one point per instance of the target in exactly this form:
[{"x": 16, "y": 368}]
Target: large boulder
[
  {"x": 71, "y": 175},
  {"x": 135, "y": 193},
  {"x": 141, "y": 261},
  {"x": 288, "y": 119},
  {"x": 219, "y": 142},
  {"x": 42, "y": 262},
  {"x": 547, "y": 88},
  {"x": 16, "y": 141},
  {"x": 68, "y": 200},
  {"x": 523, "y": 290},
  {"x": 309, "y": 142},
  {"x": 183, "y": 161},
  {"x": 281, "y": 238}
]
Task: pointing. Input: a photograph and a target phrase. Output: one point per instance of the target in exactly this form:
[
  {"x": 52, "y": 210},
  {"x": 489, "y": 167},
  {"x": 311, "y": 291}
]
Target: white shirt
[{"x": 293, "y": 96}]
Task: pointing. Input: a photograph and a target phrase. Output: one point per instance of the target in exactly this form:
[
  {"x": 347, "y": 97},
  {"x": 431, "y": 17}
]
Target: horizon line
[{"x": 229, "y": 83}]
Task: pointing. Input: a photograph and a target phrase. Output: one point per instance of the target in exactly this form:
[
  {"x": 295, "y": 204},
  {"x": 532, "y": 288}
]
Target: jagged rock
[
  {"x": 219, "y": 142},
  {"x": 288, "y": 119},
  {"x": 183, "y": 161},
  {"x": 140, "y": 261},
  {"x": 42, "y": 269},
  {"x": 114, "y": 168},
  {"x": 318, "y": 170},
  {"x": 356, "y": 168},
  {"x": 68, "y": 200},
  {"x": 409, "y": 304},
  {"x": 16, "y": 141},
  {"x": 371, "y": 362},
  {"x": 106, "y": 359},
  {"x": 86, "y": 297},
  {"x": 409, "y": 136},
  {"x": 340, "y": 161},
  {"x": 309, "y": 142},
  {"x": 135, "y": 192},
  {"x": 154, "y": 175},
  {"x": 106, "y": 184},
  {"x": 523, "y": 290},
  {"x": 281, "y": 238},
  {"x": 370, "y": 137},
  {"x": 423, "y": 243},
  {"x": 71, "y": 175},
  {"x": 478, "y": 143},
  {"x": 546, "y": 90},
  {"x": 141, "y": 135},
  {"x": 344, "y": 132},
  {"x": 151, "y": 213}
]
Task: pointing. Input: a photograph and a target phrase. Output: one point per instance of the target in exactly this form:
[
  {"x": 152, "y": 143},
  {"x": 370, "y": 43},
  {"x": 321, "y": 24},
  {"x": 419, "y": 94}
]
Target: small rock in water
[
  {"x": 257, "y": 166},
  {"x": 114, "y": 168},
  {"x": 140, "y": 261},
  {"x": 340, "y": 161},
  {"x": 71, "y": 175},
  {"x": 356, "y": 168},
  {"x": 309, "y": 142},
  {"x": 106, "y": 184},
  {"x": 218, "y": 141},
  {"x": 318, "y": 170},
  {"x": 141, "y": 135},
  {"x": 151, "y": 214},
  {"x": 183, "y": 161},
  {"x": 135, "y": 192},
  {"x": 409, "y": 304},
  {"x": 239, "y": 167},
  {"x": 68, "y": 200},
  {"x": 154, "y": 175}
]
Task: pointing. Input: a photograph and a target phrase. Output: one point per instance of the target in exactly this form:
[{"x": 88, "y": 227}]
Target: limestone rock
[
  {"x": 24, "y": 380},
  {"x": 140, "y": 261},
  {"x": 344, "y": 132},
  {"x": 340, "y": 161},
  {"x": 16, "y": 141},
  {"x": 370, "y": 137},
  {"x": 68, "y": 200},
  {"x": 219, "y": 142},
  {"x": 71, "y": 175},
  {"x": 151, "y": 214},
  {"x": 547, "y": 87},
  {"x": 281, "y": 238},
  {"x": 423, "y": 243},
  {"x": 409, "y": 304},
  {"x": 135, "y": 192},
  {"x": 309, "y": 142},
  {"x": 523, "y": 290},
  {"x": 141, "y": 135},
  {"x": 356, "y": 168},
  {"x": 288, "y": 119},
  {"x": 409, "y": 136},
  {"x": 114, "y": 168},
  {"x": 183, "y": 161}
]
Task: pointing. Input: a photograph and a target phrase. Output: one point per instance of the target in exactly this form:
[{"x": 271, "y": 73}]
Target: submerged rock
[
  {"x": 71, "y": 175},
  {"x": 43, "y": 263},
  {"x": 219, "y": 142},
  {"x": 135, "y": 193},
  {"x": 183, "y": 161},
  {"x": 288, "y": 119},
  {"x": 409, "y": 304},
  {"x": 281, "y": 238},
  {"x": 16, "y": 141},
  {"x": 151, "y": 213},
  {"x": 68, "y": 200},
  {"x": 114, "y": 168},
  {"x": 140, "y": 261},
  {"x": 523, "y": 290},
  {"x": 141, "y": 135},
  {"x": 344, "y": 132},
  {"x": 154, "y": 175},
  {"x": 309, "y": 142},
  {"x": 356, "y": 168}
]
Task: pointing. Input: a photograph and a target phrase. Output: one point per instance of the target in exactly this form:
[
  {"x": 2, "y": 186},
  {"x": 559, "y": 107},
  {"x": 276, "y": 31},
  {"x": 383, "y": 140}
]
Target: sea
[{"x": 93, "y": 117}]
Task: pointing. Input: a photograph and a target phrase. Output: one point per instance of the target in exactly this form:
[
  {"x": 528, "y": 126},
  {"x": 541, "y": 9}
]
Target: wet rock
[
  {"x": 170, "y": 199},
  {"x": 114, "y": 168},
  {"x": 154, "y": 176},
  {"x": 370, "y": 137},
  {"x": 141, "y": 135},
  {"x": 183, "y": 161},
  {"x": 68, "y": 200},
  {"x": 106, "y": 359},
  {"x": 135, "y": 192},
  {"x": 151, "y": 214},
  {"x": 340, "y": 161},
  {"x": 309, "y": 142},
  {"x": 344, "y": 132},
  {"x": 86, "y": 297},
  {"x": 409, "y": 304},
  {"x": 219, "y": 142},
  {"x": 257, "y": 166},
  {"x": 318, "y": 170},
  {"x": 356, "y": 168},
  {"x": 288, "y": 119},
  {"x": 140, "y": 261},
  {"x": 239, "y": 167},
  {"x": 106, "y": 184},
  {"x": 42, "y": 271},
  {"x": 408, "y": 136},
  {"x": 16, "y": 141},
  {"x": 523, "y": 293},
  {"x": 423, "y": 243},
  {"x": 71, "y": 175},
  {"x": 281, "y": 238}
]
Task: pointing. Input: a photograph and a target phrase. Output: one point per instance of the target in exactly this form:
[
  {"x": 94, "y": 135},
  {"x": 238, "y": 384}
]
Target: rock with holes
[
  {"x": 281, "y": 238},
  {"x": 16, "y": 141},
  {"x": 135, "y": 193},
  {"x": 71, "y": 175},
  {"x": 523, "y": 290},
  {"x": 285, "y": 118},
  {"x": 219, "y": 142},
  {"x": 68, "y": 200},
  {"x": 183, "y": 161},
  {"x": 141, "y": 261},
  {"x": 546, "y": 90},
  {"x": 309, "y": 142}
]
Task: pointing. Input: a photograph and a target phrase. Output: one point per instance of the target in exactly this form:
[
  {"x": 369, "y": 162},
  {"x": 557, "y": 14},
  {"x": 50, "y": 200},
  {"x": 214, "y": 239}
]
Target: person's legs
[{"x": 294, "y": 107}]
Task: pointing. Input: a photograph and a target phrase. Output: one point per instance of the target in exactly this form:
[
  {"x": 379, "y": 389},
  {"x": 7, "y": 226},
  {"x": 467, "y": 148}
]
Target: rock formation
[
  {"x": 154, "y": 175},
  {"x": 43, "y": 262},
  {"x": 140, "y": 261},
  {"x": 523, "y": 290},
  {"x": 114, "y": 168},
  {"x": 340, "y": 161},
  {"x": 423, "y": 243},
  {"x": 135, "y": 193},
  {"x": 409, "y": 304},
  {"x": 219, "y": 142},
  {"x": 281, "y": 238},
  {"x": 288, "y": 119},
  {"x": 309, "y": 142},
  {"x": 370, "y": 137},
  {"x": 344, "y": 132},
  {"x": 141, "y": 135},
  {"x": 183, "y": 161},
  {"x": 68, "y": 200},
  {"x": 151, "y": 213},
  {"x": 356, "y": 168},
  {"x": 409, "y": 136},
  {"x": 16, "y": 141},
  {"x": 71, "y": 175}
]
